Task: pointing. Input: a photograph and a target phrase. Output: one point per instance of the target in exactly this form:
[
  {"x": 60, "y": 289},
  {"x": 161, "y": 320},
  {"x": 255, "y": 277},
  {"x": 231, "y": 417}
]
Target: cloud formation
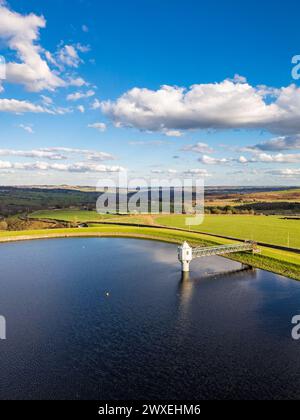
[
  {"x": 58, "y": 153},
  {"x": 98, "y": 126},
  {"x": 258, "y": 158},
  {"x": 225, "y": 105},
  {"x": 20, "y": 34},
  {"x": 198, "y": 172},
  {"x": 173, "y": 133},
  {"x": 268, "y": 158},
  {"x": 164, "y": 171},
  {"x": 68, "y": 56},
  {"x": 80, "y": 95},
  {"x": 78, "y": 167},
  {"x": 198, "y": 148},
  {"x": 286, "y": 173},
  {"x": 279, "y": 144},
  {"x": 27, "y": 128},
  {"x": 208, "y": 160},
  {"x": 21, "y": 107}
]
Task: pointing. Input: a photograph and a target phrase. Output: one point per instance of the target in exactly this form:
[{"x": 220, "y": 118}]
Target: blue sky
[{"x": 159, "y": 87}]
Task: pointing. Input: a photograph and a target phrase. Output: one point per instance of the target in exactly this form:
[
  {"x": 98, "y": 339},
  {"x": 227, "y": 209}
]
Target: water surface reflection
[{"x": 113, "y": 319}]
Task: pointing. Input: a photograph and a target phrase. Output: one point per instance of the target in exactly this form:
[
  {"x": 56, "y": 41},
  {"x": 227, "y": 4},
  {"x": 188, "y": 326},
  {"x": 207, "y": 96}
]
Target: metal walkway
[
  {"x": 186, "y": 254},
  {"x": 223, "y": 249}
]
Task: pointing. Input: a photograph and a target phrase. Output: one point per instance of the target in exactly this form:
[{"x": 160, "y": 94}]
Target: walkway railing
[
  {"x": 223, "y": 249},
  {"x": 186, "y": 254}
]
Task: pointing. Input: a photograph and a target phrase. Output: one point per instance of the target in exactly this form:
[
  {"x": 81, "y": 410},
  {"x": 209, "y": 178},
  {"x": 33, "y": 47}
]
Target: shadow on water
[
  {"x": 185, "y": 277},
  {"x": 189, "y": 282}
]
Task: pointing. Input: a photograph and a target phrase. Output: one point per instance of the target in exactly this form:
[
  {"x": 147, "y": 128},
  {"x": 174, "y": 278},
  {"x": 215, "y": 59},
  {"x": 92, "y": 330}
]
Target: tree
[{"x": 3, "y": 225}]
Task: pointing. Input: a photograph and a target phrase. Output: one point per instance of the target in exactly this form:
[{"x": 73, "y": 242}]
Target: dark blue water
[{"x": 154, "y": 336}]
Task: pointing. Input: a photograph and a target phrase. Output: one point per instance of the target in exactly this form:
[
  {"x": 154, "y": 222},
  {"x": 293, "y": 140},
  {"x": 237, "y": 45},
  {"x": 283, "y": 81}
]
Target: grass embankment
[{"x": 280, "y": 262}]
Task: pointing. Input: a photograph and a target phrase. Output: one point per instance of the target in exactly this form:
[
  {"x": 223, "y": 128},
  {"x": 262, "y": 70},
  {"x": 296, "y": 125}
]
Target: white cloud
[
  {"x": 225, "y": 105},
  {"x": 173, "y": 133},
  {"x": 208, "y": 160},
  {"x": 238, "y": 79},
  {"x": 27, "y": 128},
  {"x": 270, "y": 158},
  {"x": 47, "y": 100},
  {"x": 31, "y": 66},
  {"x": 258, "y": 158},
  {"x": 68, "y": 56},
  {"x": 58, "y": 153},
  {"x": 164, "y": 171},
  {"x": 61, "y": 111},
  {"x": 198, "y": 148},
  {"x": 83, "y": 48},
  {"x": 286, "y": 173},
  {"x": 96, "y": 104},
  {"x": 5, "y": 165},
  {"x": 189, "y": 172},
  {"x": 279, "y": 143},
  {"x": 98, "y": 126},
  {"x": 81, "y": 109},
  {"x": 149, "y": 143},
  {"x": 20, "y": 107},
  {"x": 92, "y": 155},
  {"x": 199, "y": 172},
  {"x": 50, "y": 58},
  {"x": 279, "y": 158},
  {"x": 35, "y": 153},
  {"x": 79, "y": 167},
  {"x": 243, "y": 159},
  {"x": 77, "y": 82},
  {"x": 20, "y": 34},
  {"x": 80, "y": 95}
]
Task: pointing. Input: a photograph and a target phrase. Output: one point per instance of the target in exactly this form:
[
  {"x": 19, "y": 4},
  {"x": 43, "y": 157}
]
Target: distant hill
[{"x": 24, "y": 199}]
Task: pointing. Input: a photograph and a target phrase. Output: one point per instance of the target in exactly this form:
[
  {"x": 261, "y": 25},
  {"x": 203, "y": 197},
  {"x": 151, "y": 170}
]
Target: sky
[{"x": 161, "y": 88}]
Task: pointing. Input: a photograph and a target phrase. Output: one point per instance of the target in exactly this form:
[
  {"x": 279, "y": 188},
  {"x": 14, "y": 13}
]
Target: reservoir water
[{"x": 112, "y": 319}]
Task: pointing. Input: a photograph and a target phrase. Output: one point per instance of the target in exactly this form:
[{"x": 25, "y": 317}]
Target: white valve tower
[{"x": 185, "y": 256}]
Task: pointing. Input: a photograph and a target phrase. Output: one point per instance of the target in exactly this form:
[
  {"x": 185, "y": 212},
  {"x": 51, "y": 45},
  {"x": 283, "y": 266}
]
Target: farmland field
[
  {"x": 71, "y": 215},
  {"x": 273, "y": 230},
  {"x": 83, "y": 216}
]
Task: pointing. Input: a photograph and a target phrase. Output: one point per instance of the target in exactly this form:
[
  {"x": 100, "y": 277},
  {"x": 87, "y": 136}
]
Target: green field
[
  {"x": 74, "y": 216},
  {"x": 83, "y": 216},
  {"x": 273, "y": 230}
]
